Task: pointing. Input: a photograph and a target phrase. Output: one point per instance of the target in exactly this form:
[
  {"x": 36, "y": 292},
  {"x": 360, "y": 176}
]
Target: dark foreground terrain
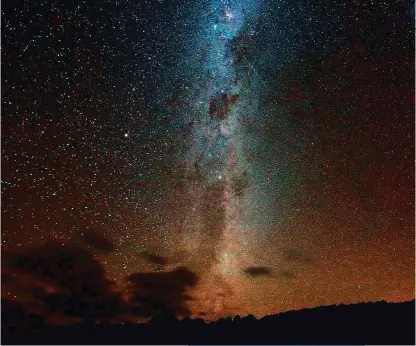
[{"x": 366, "y": 323}]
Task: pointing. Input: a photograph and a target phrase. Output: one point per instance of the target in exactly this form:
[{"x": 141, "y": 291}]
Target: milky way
[{"x": 215, "y": 162}]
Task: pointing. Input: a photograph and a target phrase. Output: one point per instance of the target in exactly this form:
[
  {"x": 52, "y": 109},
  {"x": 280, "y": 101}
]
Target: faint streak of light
[{"x": 254, "y": 70}]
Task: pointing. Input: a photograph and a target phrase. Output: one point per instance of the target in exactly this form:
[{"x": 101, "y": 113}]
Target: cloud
[
  {"x": 257, "y": 271},
  {"x": 67, "y": 280},
  {"x": 154, "y": 294},
  {"x": 98, "y": 241},
  {"x": 12, "y": 312}
]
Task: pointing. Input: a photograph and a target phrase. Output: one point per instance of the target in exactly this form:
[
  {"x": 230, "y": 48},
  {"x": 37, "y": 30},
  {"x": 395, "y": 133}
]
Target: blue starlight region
[{"x": 206, "y": 158}]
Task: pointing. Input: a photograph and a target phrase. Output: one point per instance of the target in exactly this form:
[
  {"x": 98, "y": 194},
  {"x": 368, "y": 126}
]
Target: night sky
[{"x": 206, "y": 158}]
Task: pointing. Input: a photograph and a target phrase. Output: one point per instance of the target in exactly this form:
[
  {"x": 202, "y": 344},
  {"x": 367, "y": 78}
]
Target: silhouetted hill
[{"x": 365, "y": 323}]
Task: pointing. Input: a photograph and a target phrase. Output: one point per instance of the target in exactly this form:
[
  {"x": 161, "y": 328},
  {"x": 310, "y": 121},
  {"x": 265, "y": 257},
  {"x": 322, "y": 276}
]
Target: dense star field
[{"x": 206, "y": 158}]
